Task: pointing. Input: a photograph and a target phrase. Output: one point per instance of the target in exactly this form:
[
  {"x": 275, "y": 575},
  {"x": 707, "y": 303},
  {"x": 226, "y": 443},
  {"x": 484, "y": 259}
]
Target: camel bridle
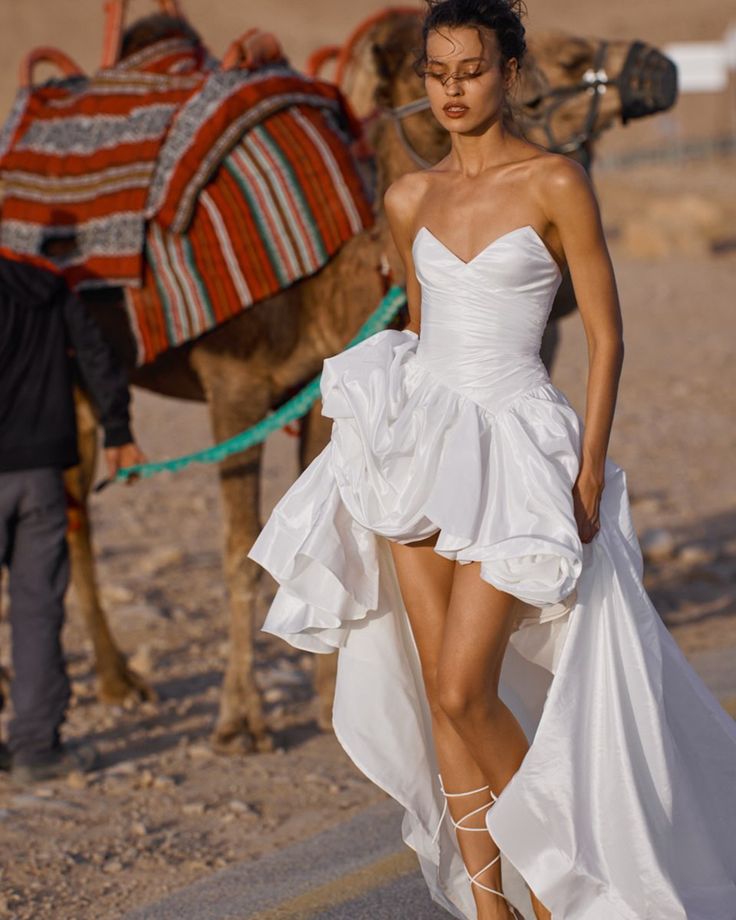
[
  {"x": 594, "y": 83},
  {"x": 647, "y": 83},
  {"x": 638, "y": 98},
  {"x": 397, "y": 114}
]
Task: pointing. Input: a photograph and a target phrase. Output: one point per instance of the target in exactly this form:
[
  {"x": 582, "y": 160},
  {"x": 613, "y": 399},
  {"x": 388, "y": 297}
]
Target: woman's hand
[{"x": 586, "y": 495}]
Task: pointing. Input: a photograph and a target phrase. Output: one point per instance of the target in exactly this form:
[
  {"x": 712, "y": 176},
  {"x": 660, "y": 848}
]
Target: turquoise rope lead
[{"x": 291, "y": 410}]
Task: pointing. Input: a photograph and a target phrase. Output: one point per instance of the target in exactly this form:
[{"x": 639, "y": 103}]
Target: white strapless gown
[{"x": 624, "y": 807}]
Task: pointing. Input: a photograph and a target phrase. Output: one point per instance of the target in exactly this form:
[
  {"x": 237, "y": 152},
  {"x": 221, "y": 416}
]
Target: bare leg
[
  {"x": 433, "y": 588},
  {"x": 480, "y": 620}
]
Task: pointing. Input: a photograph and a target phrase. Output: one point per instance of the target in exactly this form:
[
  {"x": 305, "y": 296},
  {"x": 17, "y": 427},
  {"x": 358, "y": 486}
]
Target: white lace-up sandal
[{"x": 459, "y": 825}]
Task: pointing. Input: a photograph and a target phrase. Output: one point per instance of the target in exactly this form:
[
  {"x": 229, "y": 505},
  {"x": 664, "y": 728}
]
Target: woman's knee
[{"x": 461, "y": 700}]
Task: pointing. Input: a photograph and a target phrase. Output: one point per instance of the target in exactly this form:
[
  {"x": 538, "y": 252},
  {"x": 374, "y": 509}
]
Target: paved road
[{"x": 356, "y": 871}]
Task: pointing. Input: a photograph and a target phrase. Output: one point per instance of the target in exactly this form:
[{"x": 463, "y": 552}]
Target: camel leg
[
  {"x": 116, "y": 682},
  {"x": 315, "y": 434},
  {"x": 236, "y": 402}
]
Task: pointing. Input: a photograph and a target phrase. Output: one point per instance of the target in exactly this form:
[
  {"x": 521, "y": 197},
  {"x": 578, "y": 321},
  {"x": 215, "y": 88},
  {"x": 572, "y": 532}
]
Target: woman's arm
[
  {"x": 571, "y": 206},
  {"x": 399, "y": 203}
]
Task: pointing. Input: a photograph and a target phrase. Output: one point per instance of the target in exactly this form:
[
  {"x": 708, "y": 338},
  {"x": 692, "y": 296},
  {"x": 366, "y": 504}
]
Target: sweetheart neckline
[{"x": 490, "y": 245}]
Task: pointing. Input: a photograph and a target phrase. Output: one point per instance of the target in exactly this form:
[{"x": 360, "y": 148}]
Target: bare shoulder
[
  {"x": 559, "y": 172},
  {"x": 558, "y": 177},
  {"x": 402, "y": 197}
]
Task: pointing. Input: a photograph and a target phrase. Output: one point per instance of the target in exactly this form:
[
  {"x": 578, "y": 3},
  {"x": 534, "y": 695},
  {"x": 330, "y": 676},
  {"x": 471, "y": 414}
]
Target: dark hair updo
[{"x": 503, "y": 17}]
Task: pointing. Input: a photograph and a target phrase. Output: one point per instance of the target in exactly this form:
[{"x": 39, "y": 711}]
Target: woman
[{"x": 465, "y": 543}]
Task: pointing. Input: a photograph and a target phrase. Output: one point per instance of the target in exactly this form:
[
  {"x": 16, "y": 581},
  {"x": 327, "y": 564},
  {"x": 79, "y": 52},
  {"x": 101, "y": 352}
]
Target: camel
[{"x": 247, "y": 366}]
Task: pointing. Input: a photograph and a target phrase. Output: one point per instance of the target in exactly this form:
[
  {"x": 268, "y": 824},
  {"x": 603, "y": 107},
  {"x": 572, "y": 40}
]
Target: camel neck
[{"x": 392, "y": 158}]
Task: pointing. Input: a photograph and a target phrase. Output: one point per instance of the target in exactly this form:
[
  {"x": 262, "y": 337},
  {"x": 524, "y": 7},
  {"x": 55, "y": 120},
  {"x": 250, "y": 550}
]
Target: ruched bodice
[{"x": 482, "y": 320}]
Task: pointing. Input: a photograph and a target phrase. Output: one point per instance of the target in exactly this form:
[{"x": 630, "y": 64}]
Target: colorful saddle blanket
[
  {"x": 77, "y": 158},
  {"x": 279, "y": 207},
  {"x": 200, "y": 191}
]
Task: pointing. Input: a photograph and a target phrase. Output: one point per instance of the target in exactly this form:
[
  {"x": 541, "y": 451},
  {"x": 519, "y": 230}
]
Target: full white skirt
[{"x": 624, "y": 807}]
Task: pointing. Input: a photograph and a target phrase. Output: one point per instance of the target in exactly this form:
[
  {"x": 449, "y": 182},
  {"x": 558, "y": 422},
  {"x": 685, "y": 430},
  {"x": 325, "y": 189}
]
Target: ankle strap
[
  {"x": 474, "y": 878},
  {"x": 458, "y": 825},
  {"x": 458, "y": 795}
]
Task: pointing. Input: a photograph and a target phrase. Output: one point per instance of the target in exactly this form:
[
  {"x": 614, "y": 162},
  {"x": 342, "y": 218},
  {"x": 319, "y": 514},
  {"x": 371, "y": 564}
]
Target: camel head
[
  {"x": 158, "y": 27},
  {"x": 570, "y": 90}
]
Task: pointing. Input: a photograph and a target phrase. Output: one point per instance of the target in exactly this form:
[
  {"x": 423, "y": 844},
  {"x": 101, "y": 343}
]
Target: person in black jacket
[{"x": 43, "y": 327}]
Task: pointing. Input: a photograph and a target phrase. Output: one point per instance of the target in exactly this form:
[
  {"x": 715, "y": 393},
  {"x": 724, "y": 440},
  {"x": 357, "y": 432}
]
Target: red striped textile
[
  {"x": 213, "y": 121},
  {"x": 281, "y": 205},
  {"x": 77, "y": 158},
  {"x": 199, "y": 191}
]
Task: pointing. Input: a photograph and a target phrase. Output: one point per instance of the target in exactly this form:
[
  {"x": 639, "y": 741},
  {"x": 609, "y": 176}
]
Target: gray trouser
[{"x": 33, "y": 547}]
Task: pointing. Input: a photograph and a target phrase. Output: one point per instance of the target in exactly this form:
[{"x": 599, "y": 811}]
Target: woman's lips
[{"x": 454, "y": 110}]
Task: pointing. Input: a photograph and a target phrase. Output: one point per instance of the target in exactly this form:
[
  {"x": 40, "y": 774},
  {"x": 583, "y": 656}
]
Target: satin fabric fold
[{"x": 624, "y": 806}]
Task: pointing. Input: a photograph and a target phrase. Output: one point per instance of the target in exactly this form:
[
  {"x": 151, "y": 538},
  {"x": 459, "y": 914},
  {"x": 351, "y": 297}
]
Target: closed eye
[{"x": 461, "y": 75}]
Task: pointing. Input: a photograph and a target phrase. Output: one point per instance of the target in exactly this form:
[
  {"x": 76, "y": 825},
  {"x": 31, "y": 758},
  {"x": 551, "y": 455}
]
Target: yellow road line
[
  {"x": 729, "y": 705},
  {"x": 351, "y": 886}
]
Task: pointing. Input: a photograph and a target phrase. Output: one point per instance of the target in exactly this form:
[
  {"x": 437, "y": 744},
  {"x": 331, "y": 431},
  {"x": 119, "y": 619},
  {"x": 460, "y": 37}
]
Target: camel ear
[{"x": 387, "y": 60}]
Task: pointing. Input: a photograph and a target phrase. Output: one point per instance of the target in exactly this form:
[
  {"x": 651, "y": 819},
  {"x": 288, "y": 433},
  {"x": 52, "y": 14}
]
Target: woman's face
[{"x": 465, "y": 78}]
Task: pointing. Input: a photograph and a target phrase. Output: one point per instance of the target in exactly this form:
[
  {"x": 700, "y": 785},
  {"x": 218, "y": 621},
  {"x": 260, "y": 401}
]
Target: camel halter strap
[
  {"x": 595, "y": 82},
  {"x": 397, "y": 114}
]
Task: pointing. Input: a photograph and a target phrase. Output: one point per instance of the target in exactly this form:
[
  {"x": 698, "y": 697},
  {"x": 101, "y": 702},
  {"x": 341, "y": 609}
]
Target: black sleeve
[{"x": 104, "y": 378}]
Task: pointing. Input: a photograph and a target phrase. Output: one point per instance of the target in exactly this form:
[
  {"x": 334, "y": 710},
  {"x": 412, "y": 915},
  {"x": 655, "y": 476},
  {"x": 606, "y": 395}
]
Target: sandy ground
[{"x": 164, "y": 810}]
